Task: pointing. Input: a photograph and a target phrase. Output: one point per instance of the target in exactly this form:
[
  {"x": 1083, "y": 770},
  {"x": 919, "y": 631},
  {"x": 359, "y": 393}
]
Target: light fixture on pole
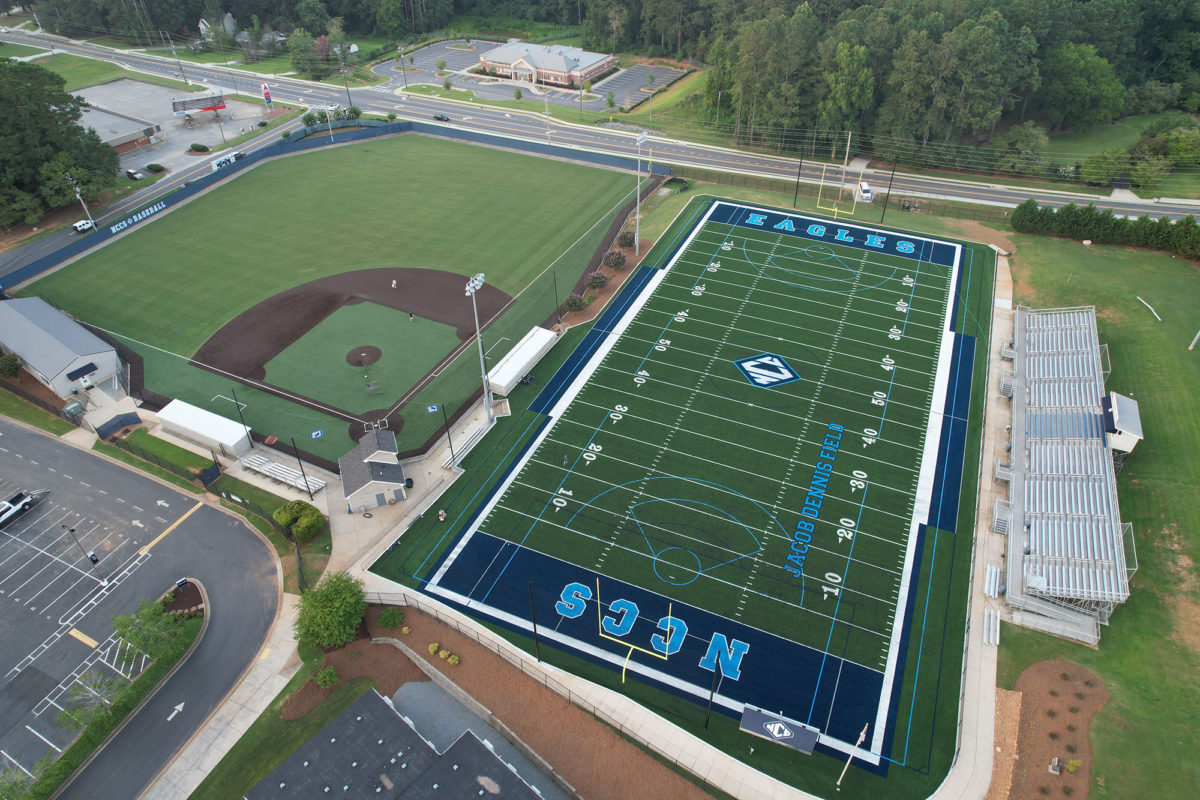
[
  {"x": 91, "y": 556},
  {"x": 637, "y": 214},
  {"x": 473, "y": 286}
]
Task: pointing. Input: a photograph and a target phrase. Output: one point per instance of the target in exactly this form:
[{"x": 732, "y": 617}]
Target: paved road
[
  {"x": 237, "y": 569},
  {"x": 388, "y": 98}
]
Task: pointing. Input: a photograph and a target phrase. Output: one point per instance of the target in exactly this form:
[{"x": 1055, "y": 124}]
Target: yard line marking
[
  {"x": 173, "y": 526},
  {"x": 83, "y": 637}
]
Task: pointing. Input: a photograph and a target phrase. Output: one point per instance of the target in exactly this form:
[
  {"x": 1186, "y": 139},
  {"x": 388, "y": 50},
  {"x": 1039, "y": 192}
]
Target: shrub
[
  {"x": 406, "y": 630},
  {"x": 1070, "y": 728},
  {"x": 303, "y": 520},
  {"x": 199, "y": 148},
  {"x": 443, "y": 654},
  {"x": 285, "y": 134},
  {"x": 1070, "y": 748},
  {"x": 155, "y": 168},
  {"x": 391, "y": 116},
  {"x": 1073, "y": 765},
  {"x": 625, "y": 239},
  {"x": 1053, "y": 736},
  {"x": 1074, "y": 709},
  {"x": 574, "y": 302},
  {"x": 331, "y": 612},
  {"x": 614, "y": 259},
  {"x": 262, "y": 123},
  {"x": 391, "y": 617},
  {"x": 446, "y": 83},
  {"x": 326, "y": 678},
  {"x": 433, "y": 648},
  {"x": 10, "y": 365},
  {"x": 309, "y": 119},
  {"x": 597, "y": 281},
  {"x": 452, "y": 660},
  {"x": 1051, "y": 713},
  {"x": 1067, "y": 789}
]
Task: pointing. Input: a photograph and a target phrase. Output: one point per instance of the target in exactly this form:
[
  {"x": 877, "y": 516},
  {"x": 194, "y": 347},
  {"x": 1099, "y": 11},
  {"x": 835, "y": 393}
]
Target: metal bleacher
[
  {"x": 1066, "y": 555},
  {"x": 256, "y": 462}
]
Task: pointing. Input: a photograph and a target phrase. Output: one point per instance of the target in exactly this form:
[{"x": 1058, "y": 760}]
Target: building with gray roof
[
  {"x": 1069, "y": 556},
  {"x": 57, "y": 350},
  {"x": 555, "y": 65},
  {"x": 371, "y": 751},
  {"x": 119, "y": 131},
  {"x": 371, "y": 473}
]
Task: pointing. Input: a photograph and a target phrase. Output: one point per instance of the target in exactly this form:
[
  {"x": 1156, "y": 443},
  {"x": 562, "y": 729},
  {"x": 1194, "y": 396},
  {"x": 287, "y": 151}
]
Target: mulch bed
[
  {"x": 535, "y": 714},
  {"x": 184, "y": 598},
  {"x": 1058, "y": 701}
]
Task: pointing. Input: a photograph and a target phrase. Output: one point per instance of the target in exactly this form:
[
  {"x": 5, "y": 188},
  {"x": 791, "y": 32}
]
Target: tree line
[{"x": 1103, "y": 227}]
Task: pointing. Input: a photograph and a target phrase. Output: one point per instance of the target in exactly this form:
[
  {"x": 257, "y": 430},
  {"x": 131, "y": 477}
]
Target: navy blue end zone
[{"x": 821, "y": 689}]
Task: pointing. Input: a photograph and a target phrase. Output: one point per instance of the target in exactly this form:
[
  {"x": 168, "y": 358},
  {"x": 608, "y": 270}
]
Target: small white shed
[{"x": 204, "y": 428}]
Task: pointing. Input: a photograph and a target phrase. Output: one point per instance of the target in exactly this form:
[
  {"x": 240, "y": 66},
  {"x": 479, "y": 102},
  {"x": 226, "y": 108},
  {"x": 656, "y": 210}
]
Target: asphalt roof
[
  {"x": 371, "y": 751},
  {"x": 357, "y": 471},
  {"x": 557, "y": 58}
]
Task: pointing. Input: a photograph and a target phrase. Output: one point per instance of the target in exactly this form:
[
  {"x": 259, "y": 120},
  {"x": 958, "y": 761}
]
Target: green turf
[
  {"x": 1144, "y": 738},
  {"x": 705, "y": 537},
  {"x": 925, "y": 726},
  {"x": 316, "y": 364},
  {"x": 407, "y": 201},
  {"x": 17, "y": 408}
]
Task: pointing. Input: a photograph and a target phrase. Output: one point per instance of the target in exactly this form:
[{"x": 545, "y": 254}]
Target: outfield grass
[
  {"x": 1143, "y": 739},
  {"x": 367, "y": 217},
  {"x": 316, "y": 365},
  {"x": 79, "y": 73}
]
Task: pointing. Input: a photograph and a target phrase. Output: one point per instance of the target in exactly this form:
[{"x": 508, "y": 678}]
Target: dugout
[
  {"x": 522, "y": 358},
  {"x": 204, "y": 428}
]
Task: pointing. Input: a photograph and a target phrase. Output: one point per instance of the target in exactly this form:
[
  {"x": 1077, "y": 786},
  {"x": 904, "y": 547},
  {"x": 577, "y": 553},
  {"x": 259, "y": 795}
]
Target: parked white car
[{"x": 83, "y": 225}]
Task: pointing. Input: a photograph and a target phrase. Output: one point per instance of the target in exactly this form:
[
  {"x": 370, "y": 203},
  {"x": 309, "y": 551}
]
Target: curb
[{"x": 183, "y": 659}]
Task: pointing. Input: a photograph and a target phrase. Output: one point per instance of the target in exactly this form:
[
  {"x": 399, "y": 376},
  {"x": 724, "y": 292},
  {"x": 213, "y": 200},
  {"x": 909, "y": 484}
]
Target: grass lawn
[
  {"x": 315, "y": 365},
  {"x": 10, "y": 50},
  {"x": 1144, "y": 738},
  {"x": 80, "y": 73},
  {"x": 167, "y": 451},
  {"x": 446, "y": 230},
  {"x": 15, "y": 408},
  {"x": 1119, "y": 135},
  {"x": 271, "y": 739},
  {"x": 145, "y": 466}
]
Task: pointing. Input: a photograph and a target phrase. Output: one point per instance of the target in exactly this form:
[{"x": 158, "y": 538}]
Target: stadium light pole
[
  {"x": 637, "y": 214},
  {"x": 473, "y": 286}
]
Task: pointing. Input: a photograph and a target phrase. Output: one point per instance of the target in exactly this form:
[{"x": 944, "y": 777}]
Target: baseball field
[{"x": 326, "y": 289}]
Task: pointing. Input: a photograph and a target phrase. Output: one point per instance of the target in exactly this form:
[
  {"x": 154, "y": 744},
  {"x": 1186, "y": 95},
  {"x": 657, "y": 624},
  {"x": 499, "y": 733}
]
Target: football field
[{"x": 732, "y": 490}]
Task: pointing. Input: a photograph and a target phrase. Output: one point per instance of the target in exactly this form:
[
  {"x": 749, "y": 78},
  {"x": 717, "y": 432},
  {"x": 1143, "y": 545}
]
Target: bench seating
[{"x": 284, "y": 474}]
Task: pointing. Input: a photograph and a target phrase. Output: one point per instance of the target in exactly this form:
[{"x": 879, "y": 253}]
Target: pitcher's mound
[{"x": 363, "y": 356}]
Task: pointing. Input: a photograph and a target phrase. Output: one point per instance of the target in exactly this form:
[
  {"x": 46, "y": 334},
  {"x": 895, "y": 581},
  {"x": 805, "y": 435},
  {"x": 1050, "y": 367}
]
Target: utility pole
[
  {"x": 637, "y": 214},
  {"x": 79, "y": 197},
  {"x": 171, "y": 41}
]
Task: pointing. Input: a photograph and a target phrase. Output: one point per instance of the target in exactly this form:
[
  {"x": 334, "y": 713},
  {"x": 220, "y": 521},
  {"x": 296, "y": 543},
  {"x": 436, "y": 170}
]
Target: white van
[{"x": 864, "y": 192}]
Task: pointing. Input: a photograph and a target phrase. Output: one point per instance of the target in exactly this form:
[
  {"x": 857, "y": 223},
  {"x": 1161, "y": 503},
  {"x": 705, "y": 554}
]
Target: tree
[
  {"x": 610, "y": 101},
  {"x": 1104, "y": 167},
  {"x": 148, "y": 629},
  {"x": 1024, "y": 217},
  {"x": 1149, "y": 173},
  {"x": 517, "y": 93},
  {"x": 1079, "y": 88},
  {"x": 1020, "y": 150},
  {"x": 851, "y": 88},
  {"x": 441, "y": 65},
  {"x": 39, "y": 126},
  {"x": 331, "y": 613},
  {"x": 312, "y": 14},
  {"x": 303, "y": 49},
  {"x": 91, "y": 695},
  {"x": 1183, "y": 146},
  {"x": 302, "y": 520},
  {"x": 392, "y": 19}
]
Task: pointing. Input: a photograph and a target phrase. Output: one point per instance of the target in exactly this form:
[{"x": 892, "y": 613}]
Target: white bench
[{"x": 284, "y": 474}]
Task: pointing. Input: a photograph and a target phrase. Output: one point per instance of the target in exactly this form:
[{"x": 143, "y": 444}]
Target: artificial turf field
[
  {"x": 399, "y": 202},
  {"x": 746, "y": 484}
]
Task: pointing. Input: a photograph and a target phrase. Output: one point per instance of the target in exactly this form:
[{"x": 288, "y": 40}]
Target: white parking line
[
  {"x": 18, "y": 763},
  {"x": 43, "y": 738}
]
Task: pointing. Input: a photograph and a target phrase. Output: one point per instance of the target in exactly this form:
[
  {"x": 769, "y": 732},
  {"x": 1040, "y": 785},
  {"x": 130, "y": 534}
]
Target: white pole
[
  {"x": 1195, "y": 339},
  {"x": 861, "y": 738},
  {"x": 473, "y": 286},
  {"x": 637, "y": 213},
  {"x": 79, "y": 197},
  {"x": 546, "y": 97}
]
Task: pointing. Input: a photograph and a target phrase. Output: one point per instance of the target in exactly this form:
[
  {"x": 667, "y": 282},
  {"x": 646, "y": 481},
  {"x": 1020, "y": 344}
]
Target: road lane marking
[
  {"x": 173, "y": 526},
  {"x": 83, "y": 637}
]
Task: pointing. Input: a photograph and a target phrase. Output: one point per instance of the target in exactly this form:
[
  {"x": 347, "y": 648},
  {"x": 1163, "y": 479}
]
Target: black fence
[
  {"x": 33, "y": 399},
  {"x": 177, "y": 470},
  {"x": 259, "y": 511}
]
